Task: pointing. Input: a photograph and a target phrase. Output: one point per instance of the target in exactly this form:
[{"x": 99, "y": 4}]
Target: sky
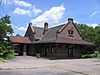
[{"x": 54, "y": 12}]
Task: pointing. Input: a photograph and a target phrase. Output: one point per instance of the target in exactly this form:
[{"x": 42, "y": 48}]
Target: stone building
[{"x": 62, "y": 41}]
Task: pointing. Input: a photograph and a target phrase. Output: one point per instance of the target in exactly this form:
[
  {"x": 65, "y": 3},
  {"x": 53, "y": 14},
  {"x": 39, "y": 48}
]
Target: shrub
[
  {"x": 93, "y": 55},
  {"x": 1, "y": 59},
  {"x": 86, "y": 56},
  {"x": 38, "y": 55},
  {"x": 7, "y": 53},
  {"x": 98, "y": 56}
]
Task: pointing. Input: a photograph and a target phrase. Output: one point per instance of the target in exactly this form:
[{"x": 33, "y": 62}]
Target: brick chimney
[
  {"x": 45, "y": 27},
  {"x": 70, "y": 20},
  {"x": 30, "y": 24}
]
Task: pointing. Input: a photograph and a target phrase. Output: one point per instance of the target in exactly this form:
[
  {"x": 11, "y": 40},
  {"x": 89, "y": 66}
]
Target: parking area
[{"x": 31, "y": 65}]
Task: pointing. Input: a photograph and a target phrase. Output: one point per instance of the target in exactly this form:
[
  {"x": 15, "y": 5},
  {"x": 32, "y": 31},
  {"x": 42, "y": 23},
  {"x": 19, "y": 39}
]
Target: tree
[
  {"x": 97, "y": 40},
  {"x": 5, "y": 29},
  {"x": 6, "y": 51},
  {"x": 87, "y": 33},
  {"x": 90, "y": 34}
]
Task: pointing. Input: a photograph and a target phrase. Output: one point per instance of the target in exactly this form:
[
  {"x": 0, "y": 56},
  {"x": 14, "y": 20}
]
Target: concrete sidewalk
[{"x": 80, "y": 66}]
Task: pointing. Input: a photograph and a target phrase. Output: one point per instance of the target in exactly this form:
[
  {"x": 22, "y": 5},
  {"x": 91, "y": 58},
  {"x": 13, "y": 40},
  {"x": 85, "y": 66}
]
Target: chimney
[
  {"x": 70, "y": 20},
  {"x": 45, "y": 27},
  {"x": 30, "y": 24}
]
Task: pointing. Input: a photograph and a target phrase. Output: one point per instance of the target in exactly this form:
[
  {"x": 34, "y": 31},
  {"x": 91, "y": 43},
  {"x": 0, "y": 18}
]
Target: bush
[
  {"x": 1, "y": 59},
  {"x": 98, "y": 56},
  {"x": 7, "y": 53},
  {"x": 38, "y": 55},
  {"x": 86, "y": 56},
  {"x": 91, "y": 56}
]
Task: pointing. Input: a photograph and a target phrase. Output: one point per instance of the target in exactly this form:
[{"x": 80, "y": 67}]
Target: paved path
[{"x": 31, "y": 65}]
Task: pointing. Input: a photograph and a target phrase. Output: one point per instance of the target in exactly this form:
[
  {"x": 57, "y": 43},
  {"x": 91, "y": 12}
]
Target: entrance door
[
  {"x": 45, "y": 51},
  {"x": 70, "y": 52}
]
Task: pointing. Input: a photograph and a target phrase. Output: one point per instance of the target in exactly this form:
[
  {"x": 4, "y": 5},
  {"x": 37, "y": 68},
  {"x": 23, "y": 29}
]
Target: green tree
[
  {"x": 97, "y": 40},
  {"x": 5, "y": 29},
  {"x": 90, "y": 34},
  {"x": 6, "y": 51}
]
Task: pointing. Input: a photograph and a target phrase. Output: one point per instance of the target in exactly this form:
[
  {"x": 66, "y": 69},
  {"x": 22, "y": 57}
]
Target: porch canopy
[{"x": 20, "y": 40}]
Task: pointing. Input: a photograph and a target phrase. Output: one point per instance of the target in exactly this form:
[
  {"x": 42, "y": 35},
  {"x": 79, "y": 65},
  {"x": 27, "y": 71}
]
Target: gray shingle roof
[
  {"x": 38, "y": 32},
  {"x": 51, "y": 34},
  {"x": 72, "y": 41}
]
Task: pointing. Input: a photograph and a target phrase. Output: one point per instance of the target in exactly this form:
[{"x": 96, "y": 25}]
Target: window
[
  {"x": 70, "y": 31},
  {"x": 37, "y": 39}
]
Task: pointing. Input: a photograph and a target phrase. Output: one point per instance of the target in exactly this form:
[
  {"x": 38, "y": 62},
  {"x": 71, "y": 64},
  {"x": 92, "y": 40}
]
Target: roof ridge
[{"x": 62, "y": 28}]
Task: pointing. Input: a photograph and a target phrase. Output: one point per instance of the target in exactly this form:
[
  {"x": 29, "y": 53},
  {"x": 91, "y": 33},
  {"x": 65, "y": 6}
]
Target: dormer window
[
  {"x": 71, "y": 31},
  {"x": 37, "y": 39}
]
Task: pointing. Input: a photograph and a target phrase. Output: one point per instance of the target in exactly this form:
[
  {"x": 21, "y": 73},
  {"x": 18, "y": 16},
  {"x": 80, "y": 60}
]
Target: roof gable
[
  {"x": 34, "y": 32},
  {"x": 70, "y": 31}
]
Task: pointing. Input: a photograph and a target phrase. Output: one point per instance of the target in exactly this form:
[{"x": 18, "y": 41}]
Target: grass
[{"x": 1, "y": 59}]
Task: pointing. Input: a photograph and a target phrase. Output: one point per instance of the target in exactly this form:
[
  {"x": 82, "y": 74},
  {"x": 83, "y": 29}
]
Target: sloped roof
[
  {"x": 66, "y": 40},
  {"x": 20, "y": 39},
  {"x": 50, "y": 37},
  {"x": 51, "y": 34},
  {"x": 72, "y": 41},
  {"x": 38, "y": 32}
]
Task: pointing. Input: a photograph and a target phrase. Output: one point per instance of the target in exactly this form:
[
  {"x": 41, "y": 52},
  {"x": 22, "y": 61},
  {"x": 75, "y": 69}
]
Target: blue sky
[{"x": 52, "y": 11}]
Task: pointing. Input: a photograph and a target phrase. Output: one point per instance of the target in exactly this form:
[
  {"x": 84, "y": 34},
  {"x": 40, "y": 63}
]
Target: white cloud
[
  {"x": 58, "y": 24},
  {"x": 75, "y": 21},
  {"x": 22, "y": 29},
  {"x": 93, "y": 25},
  {"x": 36, "y": 11},
  {"x": 18, "y": 2},
  {"x": 52, "y": 16},
  {"x": 22, "y": 3},
  {"x": 19, "y": 30},
  {"x": 94, "y": 13},
  {"x": 20, "y": 11},
  {"x": 8, "y": 1}
]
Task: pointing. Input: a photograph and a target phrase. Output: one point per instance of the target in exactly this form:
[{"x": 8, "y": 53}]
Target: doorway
[{"x": 70, "y": 52}]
